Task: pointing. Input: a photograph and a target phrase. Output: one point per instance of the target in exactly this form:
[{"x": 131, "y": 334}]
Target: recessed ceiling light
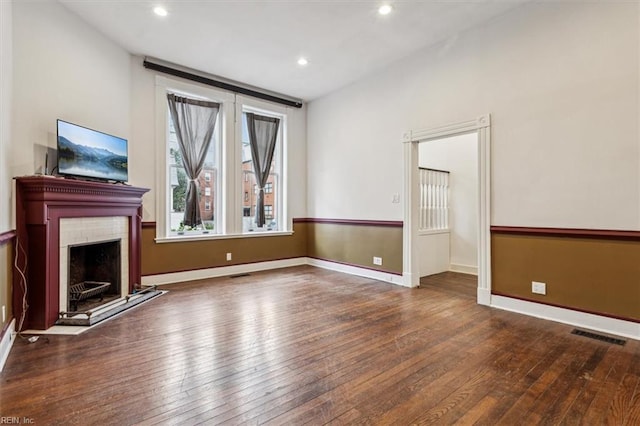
[
  {"x": 160, "y": 11},
  {"x": 385, "y": 9},
  {"x": 302, "y": 61}
]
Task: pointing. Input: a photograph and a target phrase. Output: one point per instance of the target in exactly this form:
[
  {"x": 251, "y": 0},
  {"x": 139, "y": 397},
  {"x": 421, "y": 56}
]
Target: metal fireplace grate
[
  {"x": 600, "y": 337},
  {"x": 86, "y": 290}
]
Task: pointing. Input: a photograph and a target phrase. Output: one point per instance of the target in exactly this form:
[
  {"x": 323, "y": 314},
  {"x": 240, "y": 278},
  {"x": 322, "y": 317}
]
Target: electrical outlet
[
  {"x": 228, "y": 257},
  {"x": 377, "y": 260},
  {"x": 396, "y": 198},
  {"x": 538, "y": 287}
]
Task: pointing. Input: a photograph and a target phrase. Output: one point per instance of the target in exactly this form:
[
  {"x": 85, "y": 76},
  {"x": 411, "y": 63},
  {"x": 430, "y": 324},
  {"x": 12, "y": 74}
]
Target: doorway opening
[
  {"x": 479, "y": 129},
  {"x": 447, "y": 235}
]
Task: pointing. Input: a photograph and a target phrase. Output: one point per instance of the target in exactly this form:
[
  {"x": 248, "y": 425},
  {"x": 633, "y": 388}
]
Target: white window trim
[
  {"x": 228, "y": 201},
  {"x": 163, "y": 86}
]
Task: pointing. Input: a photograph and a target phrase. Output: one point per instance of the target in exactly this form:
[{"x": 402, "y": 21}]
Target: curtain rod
[{"x": 147, "y": 63}]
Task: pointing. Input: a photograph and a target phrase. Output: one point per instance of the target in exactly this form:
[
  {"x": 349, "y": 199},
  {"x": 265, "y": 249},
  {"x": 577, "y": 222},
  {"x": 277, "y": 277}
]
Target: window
[
  {"x": 228, "y": 169},
  {"x": 272, "y": 195},
  {"x": 179, "y": 182}
]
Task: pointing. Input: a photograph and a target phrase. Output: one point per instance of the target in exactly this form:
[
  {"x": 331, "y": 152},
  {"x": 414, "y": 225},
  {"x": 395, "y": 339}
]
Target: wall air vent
[{"x": 600, "y": 337}]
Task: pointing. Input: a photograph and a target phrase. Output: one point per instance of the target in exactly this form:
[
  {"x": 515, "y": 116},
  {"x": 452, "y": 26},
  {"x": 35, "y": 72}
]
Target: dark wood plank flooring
[{"x": 305, "y": 345}]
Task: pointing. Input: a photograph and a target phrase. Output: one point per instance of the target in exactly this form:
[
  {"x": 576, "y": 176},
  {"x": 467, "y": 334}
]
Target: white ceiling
[{"x": 258, "y": 42}]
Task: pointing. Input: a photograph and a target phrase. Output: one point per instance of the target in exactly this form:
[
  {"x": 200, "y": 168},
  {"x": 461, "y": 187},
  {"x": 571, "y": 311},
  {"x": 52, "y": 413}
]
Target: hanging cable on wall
[{"x": 23, "y": 287}]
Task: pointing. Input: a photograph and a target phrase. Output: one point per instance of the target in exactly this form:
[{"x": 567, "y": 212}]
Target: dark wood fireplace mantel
[{"x": 41, "y": 201}]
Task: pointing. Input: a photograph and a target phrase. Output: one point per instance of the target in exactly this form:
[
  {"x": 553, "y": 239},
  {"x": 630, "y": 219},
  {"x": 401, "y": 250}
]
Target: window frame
[{"x": 228, "y": 199}]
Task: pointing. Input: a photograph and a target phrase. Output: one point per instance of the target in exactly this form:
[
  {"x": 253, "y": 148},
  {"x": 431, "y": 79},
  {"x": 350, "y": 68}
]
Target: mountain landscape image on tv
[{"x": 91, "y": 154}]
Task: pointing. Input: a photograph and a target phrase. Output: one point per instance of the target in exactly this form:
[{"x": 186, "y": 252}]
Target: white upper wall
[
  {"x": 561, "y": 82},
  {"x": 63, "y": 69},
  {"x": 6, "y": 72}
]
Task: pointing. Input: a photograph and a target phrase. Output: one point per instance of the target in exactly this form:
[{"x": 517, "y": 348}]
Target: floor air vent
[
  {"x": 239, "y": 275},
  {"x": 600, "y": 337}
]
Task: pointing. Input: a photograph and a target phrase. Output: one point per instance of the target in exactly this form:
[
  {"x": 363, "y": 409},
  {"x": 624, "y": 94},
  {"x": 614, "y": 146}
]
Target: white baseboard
[
  {"x": 463, "y": 269},
  {"x": 410, "y": 280},
  {"x": 567, "y": 316},
  {"x": 222, "y": 271},
  {"x": 7, "y": 342},
  {"x": 361, "y": 272},
  {"x": 484, "y": 297}
]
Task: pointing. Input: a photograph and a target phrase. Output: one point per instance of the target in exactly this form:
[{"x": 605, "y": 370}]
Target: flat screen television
[{"x": 87, "y": 153}]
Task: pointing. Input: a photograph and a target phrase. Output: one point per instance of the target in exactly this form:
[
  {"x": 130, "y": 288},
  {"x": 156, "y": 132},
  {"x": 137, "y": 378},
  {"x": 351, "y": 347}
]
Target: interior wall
[
  {"x": 561, "y": 83},
  {"x": 592, "y": 274},
  {"x": 158, "y": 258},
  {"x": 184, "y": 256},
  {"x": 143, "y": 153},
  {"x": 433, "y": 253},
  {"x": 67, "y": 69},
  {"x": 6, "y": 80},
  {"x": 356, "y": 244},
  {"x": 64, "y": 69},
  {"x": 459, "y": 156}
]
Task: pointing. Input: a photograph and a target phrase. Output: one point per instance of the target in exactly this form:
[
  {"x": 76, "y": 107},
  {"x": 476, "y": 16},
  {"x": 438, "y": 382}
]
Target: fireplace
[
  {"x": 94, "y": 275},
  {"x": 54, "y": 215}
]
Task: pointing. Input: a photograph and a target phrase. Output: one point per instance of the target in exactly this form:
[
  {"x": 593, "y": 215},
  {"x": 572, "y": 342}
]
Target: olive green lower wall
[
  {"x": 162, "y": 258},
  {"x": 348, "y": 243},
  {"x": 357, "y": 244},
  {"x": 597, "y": 275},
  {"x": 6, "y": 276}
]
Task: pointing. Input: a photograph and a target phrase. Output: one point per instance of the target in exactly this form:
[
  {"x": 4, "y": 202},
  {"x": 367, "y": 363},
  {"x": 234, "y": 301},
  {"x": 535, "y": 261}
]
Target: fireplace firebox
[{"x": 94, "y": 275}]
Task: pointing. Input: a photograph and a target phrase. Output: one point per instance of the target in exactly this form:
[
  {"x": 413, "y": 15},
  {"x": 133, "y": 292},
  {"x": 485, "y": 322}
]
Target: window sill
[{"x": 206, "y": 237}]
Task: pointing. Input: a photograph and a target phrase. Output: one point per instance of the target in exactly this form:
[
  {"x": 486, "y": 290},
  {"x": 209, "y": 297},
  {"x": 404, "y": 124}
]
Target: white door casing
[{"x": 481, "y": 125}]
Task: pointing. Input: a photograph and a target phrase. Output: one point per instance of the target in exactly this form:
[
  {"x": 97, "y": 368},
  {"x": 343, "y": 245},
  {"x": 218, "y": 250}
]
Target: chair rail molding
[{"x": 482, "y": 126}]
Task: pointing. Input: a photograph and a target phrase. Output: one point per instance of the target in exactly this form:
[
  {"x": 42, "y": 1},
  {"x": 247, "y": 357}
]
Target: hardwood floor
[{"x": 306, "y": 345}]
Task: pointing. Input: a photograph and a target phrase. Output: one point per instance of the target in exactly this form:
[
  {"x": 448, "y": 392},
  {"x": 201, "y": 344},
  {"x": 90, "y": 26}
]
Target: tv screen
[{"x": 91, "y": 154}]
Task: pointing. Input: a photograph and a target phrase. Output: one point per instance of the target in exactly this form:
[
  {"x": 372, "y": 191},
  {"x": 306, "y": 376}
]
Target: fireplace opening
[{"x": 94, "y": 275}]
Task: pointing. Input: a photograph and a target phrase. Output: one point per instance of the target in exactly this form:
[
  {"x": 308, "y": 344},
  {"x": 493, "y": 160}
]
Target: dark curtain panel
[
  {"x": 262, "y": 137},
  {"x": 194, "y": 122}
]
